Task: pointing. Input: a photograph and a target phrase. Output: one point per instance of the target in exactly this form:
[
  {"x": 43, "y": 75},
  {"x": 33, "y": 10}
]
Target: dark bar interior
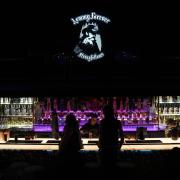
[{"x": 89, "y": 89}]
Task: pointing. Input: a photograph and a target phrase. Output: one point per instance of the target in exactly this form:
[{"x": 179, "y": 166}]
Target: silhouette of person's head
[
  {"x": 54, "y": 114},
  {"x": 108, "y": 111},
  {"x": 71, "y": 120},
  {"x": 93, "y": 120}
]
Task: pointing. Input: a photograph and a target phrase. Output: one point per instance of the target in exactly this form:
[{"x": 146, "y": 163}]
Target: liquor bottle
[
  {"x": 1, "y": 100},
  {"x": 1, "y": 110},
  {"x": 178, "y": 98},
  {"x": 164, "y": 98},
  {"x": 165, "y": 109},
  {"x": 174, "y": 99},
  {"x": 17, "y": 109},
  {"x": 167, "y": 97},
  {"x": 176, "y": 109},
  {"x": 6, "y": 100},
  {"x": 69, "y": 106},
  {"x": 12, "y": 109},
  {"x": 121, "y": 105},
  {"x": 48, "y": 105},
  {"x": 114, "y": 104},
  {"x": 161, "y": 109},
  {"x": 168, "y": 108},
  {"x": 23, "y": 110},
  {"x": 170, "y": 99},
  {"x": 172, "y": 108},
  {"x": 29, "y": 109},
  {"x": 6, "y": 110},
  {"x": 55, "y": 104},
  {"x": 21, "y": 100},
  {"x": 127, "y": 104},
  {"x": 139, "y": 103},
  {"x": 160, "y": 99},
  {"x": 27, "y": 99}
]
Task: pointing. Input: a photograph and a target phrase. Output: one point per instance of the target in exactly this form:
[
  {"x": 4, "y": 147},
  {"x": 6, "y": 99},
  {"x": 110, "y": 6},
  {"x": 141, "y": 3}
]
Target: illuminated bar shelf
[
  {"x": 130, "y": 128},
  {"x": 16, "y": 112},
  {"x": 169, "y": 114},
  {"x": 16, "y": 103},
  {"x": 30, "y": 116},
  {"x": 169, "y": 102}
]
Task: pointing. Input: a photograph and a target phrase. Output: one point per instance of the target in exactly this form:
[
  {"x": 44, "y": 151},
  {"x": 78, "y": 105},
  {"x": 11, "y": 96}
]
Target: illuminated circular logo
[{"x": 89, "y": 46}]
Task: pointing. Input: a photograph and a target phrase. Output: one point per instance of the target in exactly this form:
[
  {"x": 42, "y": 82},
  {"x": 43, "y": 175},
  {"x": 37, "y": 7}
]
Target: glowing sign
[{"x": 89, "y": 46}]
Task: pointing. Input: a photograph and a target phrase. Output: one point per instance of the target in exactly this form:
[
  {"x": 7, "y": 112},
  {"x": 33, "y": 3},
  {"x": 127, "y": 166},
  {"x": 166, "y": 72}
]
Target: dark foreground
[{"x": 49, "y": 165}]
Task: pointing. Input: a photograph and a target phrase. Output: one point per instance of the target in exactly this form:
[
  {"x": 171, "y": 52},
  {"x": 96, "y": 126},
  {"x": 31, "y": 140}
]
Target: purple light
[{"x": 47, "y": 128}]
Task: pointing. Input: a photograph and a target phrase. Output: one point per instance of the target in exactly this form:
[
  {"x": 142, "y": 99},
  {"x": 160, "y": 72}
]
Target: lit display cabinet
[
  {"x": 167, "y": 109},
  {"x": 133, "y": 112},
  {"x": 153, "y": 113},
  {"x": 16, "y": 112}
]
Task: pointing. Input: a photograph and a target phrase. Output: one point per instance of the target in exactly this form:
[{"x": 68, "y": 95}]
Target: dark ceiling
[
  {"x": 42, "y": 29},
  {"x": 31, "y": 34}
]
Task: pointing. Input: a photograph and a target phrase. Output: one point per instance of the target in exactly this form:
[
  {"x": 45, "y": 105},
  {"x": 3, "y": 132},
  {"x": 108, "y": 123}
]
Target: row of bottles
[
  {"x": 122, "y": 104},
  {"x": 169, "y": 109},
  {"x": 169, "y": 99},
  {"x": 16, "y": 110},
  {"x": 19, "y": 100},
  {"x": 95, "y": 104},
  {"x": 133, "y": 117},
  {"x": 18, "y": 122}
]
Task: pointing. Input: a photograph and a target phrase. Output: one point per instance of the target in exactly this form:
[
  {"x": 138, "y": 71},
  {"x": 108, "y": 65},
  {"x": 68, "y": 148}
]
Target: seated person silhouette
[
  {"x": 70, "y": 142},
  {"x": 91, "y": 128}
]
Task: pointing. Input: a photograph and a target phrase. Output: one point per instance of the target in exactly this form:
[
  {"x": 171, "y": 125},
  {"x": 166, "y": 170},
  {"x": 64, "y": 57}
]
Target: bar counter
[{"x": 43, "y": 144}]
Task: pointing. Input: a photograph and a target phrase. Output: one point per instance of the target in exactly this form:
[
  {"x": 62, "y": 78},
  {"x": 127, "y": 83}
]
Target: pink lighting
[{"x": 132, "y": 128}]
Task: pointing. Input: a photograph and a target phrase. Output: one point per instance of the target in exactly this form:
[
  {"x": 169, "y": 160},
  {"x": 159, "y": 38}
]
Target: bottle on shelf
[
  {"x": 171, "y": 109},
  {"x": 174, "y": 99},
  {"x": 178, "y": 98},
  {"x": 162, "y": 108},
  {"x": 121, "y": 105},
  {"x": 4, "y": 100},
  {"x": 12, "y": 109},
  {"x": 22, "y": 100},
  {"x": 164, "y": 99},
  {"x": 30, "y": 99},
  {"x": 170, "y": 99},
  {"x": 26, "y": 100},
  {"x": 18, "y": 110},
  {"x": 23, "y": 110},
  {"x": 6, "y": 109},
  {"x": 176, "y": 108},
  {"x": 29, "y": 110},
  {"x": 165, "y": 109}
]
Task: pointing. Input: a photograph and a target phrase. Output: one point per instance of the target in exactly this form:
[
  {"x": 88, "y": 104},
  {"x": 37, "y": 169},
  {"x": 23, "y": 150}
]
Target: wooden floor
[{"x": 167, "y": 143}]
